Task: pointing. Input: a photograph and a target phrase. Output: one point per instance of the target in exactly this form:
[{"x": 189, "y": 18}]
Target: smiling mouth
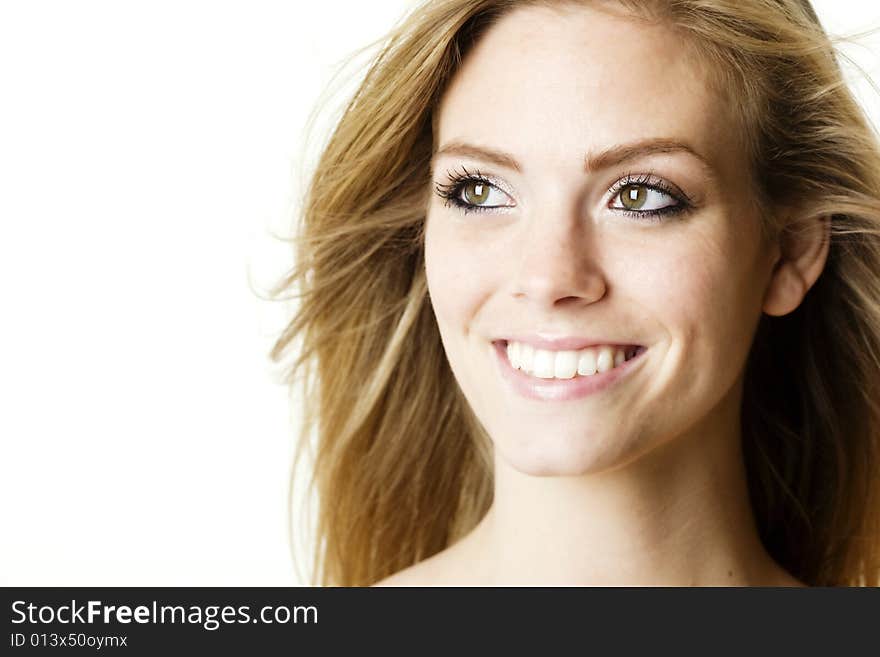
[{"x": 567, "y": 364}]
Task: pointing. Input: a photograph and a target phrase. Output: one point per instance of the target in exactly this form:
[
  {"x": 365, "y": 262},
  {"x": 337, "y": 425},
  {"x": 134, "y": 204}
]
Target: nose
[{"x": 558, "y": 265}]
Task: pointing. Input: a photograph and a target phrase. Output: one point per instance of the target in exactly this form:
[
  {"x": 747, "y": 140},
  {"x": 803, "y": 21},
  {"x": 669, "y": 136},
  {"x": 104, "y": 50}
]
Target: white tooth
[
  {"x": 605, "y": 360},
  {"x": 517, "y": 360},
  {"x": 513, "y": 354},
  {"x": 544, "y": 363},
  {"x": 566, "y": 364},
  {"x": 587, "y": 362},
  {"x": 526, "y": 357}
]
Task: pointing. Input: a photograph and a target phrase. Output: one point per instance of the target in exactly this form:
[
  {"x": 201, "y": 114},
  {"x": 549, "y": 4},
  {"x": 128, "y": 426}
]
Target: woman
[{"x": 590, "y": 295}]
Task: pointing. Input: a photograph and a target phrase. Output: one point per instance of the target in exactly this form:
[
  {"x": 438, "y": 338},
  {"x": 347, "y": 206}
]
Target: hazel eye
[
  {"x": 633, "y": 197},
  {"x": 637, "y": 197},
  {"x": 476, "y": 193},
  {"x": 480, "y": 193}
]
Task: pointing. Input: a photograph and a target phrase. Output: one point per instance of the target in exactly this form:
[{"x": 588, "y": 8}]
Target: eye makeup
[
  {"x": 649, "y": 181},
  {"x": 459, "y": 180},
  {"x": 455, "y": 193}
]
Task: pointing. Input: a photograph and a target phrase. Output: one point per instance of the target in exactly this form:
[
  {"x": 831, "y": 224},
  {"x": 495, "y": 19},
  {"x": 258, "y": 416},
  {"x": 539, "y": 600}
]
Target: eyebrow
[{"x": 592, "y": 162}]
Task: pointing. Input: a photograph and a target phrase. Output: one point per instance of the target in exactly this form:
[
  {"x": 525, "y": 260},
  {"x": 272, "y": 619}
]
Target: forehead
[{"x": 554, "y": 83}]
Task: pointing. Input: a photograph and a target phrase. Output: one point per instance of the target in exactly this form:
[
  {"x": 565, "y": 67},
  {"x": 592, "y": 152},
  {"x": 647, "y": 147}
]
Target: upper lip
[{"x": 565, "y": 342}]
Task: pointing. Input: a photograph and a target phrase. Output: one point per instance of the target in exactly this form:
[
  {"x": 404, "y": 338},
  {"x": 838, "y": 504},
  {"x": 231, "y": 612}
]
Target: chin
[{"x": 565, "y": 458}]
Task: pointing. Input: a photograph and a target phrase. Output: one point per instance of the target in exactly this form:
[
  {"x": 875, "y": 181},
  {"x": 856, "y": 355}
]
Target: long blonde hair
[{"x": 401, "y": 465}]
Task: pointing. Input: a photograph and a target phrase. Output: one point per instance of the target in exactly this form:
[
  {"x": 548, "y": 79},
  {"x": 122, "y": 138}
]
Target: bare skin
[
  {"x": 642, "y": 484},
  {"x": 715, "y": 549}
]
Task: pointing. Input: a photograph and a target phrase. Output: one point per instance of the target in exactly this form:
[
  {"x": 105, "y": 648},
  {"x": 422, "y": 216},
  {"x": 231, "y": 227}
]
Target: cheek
[
  {"x": 686, "y": 287},
  {"x": 703, "y": 291},
  {"x": 671, "y": 280},
  {"x": 695, "y": 280},
  {"x": 461, "y": 274}
]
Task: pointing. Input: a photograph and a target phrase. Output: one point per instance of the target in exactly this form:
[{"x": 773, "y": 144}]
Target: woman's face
[{"x": 590, "y": 187}]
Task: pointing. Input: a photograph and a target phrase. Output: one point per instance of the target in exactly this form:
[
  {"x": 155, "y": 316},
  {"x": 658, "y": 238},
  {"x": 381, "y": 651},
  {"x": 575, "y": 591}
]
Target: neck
[{"x": 678, "y": 516}]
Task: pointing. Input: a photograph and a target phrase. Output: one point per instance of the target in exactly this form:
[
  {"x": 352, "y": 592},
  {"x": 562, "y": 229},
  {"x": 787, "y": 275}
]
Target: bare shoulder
[
  {"x": 413, "y": 576},
  {"x": 781, "y": 577},
  {"x": 434, "y": 571},
  {"x": 454, "y": 566},
  {"x": 791, "y": 581}
]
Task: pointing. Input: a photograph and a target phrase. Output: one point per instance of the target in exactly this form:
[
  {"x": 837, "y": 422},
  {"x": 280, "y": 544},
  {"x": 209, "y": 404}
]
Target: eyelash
[{"x": 451, "y": 193}]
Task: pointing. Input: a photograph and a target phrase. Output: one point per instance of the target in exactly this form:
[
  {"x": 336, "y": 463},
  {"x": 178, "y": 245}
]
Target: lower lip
[{"x": 561, "y": 389}]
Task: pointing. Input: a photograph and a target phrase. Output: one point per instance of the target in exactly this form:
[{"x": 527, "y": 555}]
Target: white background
[{"x": 149, "y": 151}]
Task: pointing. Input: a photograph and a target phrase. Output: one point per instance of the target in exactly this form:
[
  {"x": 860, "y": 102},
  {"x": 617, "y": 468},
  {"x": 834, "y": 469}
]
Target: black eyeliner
[{"x": 451, "y": 193}]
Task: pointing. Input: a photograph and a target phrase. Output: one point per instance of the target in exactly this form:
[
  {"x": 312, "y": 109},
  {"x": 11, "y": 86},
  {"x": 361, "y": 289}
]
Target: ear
[{"x": 803, "y": 250}]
